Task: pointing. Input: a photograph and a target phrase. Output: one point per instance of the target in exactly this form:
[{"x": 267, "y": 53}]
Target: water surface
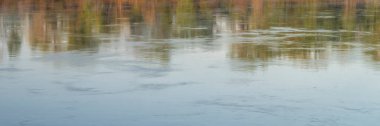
[{"x": 189, "y": 62}]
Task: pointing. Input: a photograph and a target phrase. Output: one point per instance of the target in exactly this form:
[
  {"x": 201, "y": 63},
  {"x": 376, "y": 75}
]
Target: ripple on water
[{"x": 11, "y": 69}]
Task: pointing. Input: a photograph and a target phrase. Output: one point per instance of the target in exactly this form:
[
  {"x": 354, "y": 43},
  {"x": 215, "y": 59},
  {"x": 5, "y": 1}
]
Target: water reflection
[
  {"x": 189, "y": 62},
  {"x": 261, "y": 30},
  {"x": 14, "y": 43}
]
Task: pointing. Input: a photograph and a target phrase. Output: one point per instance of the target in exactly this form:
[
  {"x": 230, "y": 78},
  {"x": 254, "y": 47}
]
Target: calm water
[{"x": 189, "y": 62}]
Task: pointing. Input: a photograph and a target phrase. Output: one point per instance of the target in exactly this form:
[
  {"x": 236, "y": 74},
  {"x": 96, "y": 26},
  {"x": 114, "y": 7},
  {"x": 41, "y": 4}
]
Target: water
[{"x": 189, "y": 63}]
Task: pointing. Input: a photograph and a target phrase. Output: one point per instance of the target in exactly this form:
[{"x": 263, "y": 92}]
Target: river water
[{"x": 189, "y": 62}]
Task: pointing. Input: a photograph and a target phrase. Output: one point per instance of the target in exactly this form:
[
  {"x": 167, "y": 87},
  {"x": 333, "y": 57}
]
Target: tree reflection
[
  {"x": 14, "y": 43},
  {"x": 83, "y": 25},
  {"x": 263, "y": 30},
  {"x": 11, "y": 39}
]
